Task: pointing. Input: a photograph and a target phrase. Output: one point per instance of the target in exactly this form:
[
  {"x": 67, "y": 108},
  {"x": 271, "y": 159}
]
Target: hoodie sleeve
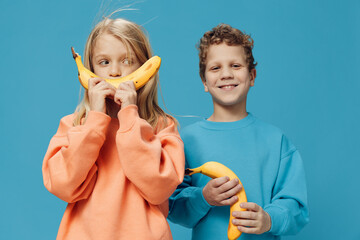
[
  {"x": 69, "y": 166},
  {"x": 152, "y": 161},
  {"x": 288, "y": 208},
  {"x": 187, "y": 205}
]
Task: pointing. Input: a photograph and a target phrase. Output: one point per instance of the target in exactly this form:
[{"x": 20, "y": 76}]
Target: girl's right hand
[
  {"x": 221, "y": 191},
  {"x": 98, "y": 91}
]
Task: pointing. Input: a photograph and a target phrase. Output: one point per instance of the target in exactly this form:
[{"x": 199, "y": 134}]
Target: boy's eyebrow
[{"x": 238, "y": 61}]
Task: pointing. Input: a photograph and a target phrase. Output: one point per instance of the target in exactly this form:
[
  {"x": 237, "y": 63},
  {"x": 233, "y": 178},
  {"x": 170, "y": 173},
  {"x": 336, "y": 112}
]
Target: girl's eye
[
  {"x": 104, "y": 62},
  {"x": 127, "y": 61}
]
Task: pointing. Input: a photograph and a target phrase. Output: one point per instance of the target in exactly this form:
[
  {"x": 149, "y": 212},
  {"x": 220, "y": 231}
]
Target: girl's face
[
  {"x": 111, "y": 59},
  {"x": 227, "y": 76}
]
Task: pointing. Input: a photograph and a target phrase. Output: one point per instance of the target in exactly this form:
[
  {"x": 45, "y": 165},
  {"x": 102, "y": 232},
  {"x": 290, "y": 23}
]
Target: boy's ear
[
  {"x": 205, "y": 86},
  {"x": 252, "y": 76}
]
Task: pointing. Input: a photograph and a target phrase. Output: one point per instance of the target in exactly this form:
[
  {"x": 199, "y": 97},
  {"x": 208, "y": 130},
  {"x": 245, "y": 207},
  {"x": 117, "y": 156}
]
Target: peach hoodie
[{"x": 115, "y": 174}]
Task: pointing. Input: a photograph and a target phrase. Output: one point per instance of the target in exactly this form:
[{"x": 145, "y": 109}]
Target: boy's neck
[{"x": 228, "y": 113}]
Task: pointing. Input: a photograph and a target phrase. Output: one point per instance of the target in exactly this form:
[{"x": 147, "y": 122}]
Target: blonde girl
[{"x": 119, "y": 157}]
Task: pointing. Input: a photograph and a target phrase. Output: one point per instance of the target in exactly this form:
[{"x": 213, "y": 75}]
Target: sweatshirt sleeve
[
  {"x": 153, "y": 162},
  {"x": 187, "y": 205},
  {"x": 69, "y": 166},
  {"x": 288, "y": 209}
]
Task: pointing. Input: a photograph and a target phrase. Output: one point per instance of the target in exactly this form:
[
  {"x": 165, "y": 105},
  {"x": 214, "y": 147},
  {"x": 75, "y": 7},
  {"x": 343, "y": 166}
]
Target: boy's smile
[
  {"x": 228, "y": 79},
  {"x": 228, "y": 87}
]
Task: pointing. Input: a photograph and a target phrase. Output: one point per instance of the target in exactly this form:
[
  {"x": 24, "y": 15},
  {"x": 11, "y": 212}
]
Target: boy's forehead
[
  {"x": 224, "y": 46},
  {"x": 224, "y": 51}
]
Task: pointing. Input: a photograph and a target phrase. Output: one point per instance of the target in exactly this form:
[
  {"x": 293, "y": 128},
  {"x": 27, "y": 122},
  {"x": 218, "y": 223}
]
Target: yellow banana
[
  {"x": 140, "y": 76},
  {"x": 215, "y": 170}
]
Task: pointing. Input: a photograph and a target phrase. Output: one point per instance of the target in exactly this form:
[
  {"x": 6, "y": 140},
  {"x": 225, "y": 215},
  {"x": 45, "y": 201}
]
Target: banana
[
  {"x": 140, "y": 76},
  {"x": 215, "y": 170}
]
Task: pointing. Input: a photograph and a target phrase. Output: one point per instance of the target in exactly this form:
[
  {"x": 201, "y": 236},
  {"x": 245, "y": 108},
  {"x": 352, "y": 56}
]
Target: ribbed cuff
[
  {"x": 199, "y": 203},
  {"x": 98, "y": 121},
  {"x": 127, "y": 117},
  {"x": 279, "y": 219}
]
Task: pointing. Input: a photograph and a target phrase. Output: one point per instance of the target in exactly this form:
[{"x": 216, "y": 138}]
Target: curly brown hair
[{"x": 231, "y": 36}]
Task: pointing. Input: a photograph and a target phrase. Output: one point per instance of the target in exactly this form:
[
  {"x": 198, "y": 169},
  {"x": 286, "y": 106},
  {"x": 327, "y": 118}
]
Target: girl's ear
[{"x": 252, "y": 77}]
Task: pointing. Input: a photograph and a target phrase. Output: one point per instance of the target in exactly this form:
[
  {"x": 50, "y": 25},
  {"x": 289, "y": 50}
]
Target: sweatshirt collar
[{"x": 228, "y": 125}]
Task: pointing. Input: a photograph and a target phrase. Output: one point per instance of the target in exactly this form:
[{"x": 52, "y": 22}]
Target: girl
[{"x": 119, "y": 157}]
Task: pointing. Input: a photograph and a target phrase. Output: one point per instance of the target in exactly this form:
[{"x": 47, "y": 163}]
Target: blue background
[{"x": 307, "y": 85}]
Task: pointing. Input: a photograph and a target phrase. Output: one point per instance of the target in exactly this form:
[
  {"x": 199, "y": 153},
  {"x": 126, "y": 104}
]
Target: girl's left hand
[
  {"x": 125, "y": 94},
  {"x": 254, "y": 221}
]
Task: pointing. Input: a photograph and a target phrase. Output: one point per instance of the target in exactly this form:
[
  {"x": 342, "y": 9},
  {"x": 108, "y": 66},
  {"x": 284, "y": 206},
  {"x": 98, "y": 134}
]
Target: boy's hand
[
  {"x": 254, "y": 221},
  {"x": 221, "y": 191}
]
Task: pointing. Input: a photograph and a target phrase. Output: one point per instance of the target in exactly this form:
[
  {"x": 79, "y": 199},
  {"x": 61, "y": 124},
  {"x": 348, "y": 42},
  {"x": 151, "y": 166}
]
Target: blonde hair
[{"x": 133, "y": 37}]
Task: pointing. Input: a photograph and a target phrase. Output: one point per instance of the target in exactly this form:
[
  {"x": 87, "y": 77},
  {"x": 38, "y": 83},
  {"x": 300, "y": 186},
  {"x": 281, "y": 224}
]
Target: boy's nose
[
  {"x": 226, "y": 73},
  {"x": 115, "y": 71}
]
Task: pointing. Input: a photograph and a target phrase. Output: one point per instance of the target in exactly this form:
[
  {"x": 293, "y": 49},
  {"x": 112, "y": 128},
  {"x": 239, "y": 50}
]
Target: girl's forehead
[{"x": 107, "y": 43}]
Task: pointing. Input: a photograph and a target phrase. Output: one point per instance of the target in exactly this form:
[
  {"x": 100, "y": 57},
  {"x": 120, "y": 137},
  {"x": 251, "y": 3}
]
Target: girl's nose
[{"x": 115, "y": 71}]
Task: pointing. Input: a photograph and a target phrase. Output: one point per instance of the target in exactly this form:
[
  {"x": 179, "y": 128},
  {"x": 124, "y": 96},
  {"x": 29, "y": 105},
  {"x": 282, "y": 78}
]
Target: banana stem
[
  {"x": 73, "y": 52},
  {"x": 192, "y": 171}
]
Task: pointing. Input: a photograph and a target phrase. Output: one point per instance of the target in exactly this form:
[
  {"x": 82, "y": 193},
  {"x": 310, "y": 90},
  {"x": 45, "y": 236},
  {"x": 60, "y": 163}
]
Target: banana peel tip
[
  {"x": 73, "y": 52},
  {"x": 188, "y": 171}
]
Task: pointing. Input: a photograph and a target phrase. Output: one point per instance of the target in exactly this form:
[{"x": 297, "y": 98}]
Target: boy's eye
[
  {"x": 236, "y": 66},
  {"x": 215, "y": 68}
]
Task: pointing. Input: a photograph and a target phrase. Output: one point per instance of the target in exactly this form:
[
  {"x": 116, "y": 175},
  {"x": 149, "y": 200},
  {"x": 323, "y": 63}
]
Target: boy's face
[{"x": 228, "y": 79}]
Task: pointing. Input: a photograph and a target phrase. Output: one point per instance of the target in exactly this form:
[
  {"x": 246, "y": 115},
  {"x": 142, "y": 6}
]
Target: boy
[{"x": 267, "y": 163}]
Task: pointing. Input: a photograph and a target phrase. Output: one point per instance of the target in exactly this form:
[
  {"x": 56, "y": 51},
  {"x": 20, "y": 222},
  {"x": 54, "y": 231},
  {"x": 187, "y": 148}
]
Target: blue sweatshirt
[{"x": 266, "y": 162}]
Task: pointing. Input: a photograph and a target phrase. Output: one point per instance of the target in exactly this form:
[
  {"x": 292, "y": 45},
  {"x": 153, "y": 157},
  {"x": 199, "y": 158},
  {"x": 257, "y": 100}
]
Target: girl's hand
[
  {"x": 254, "y": 221},
  {"x": 98, "y": 91},
  {"x": 125, "y": 94},
  {"x": 221, "y": 191}
]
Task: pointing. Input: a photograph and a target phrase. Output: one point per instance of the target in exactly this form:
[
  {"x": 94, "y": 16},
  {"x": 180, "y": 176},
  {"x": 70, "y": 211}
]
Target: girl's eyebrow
[
  {"x": 100, "y": 56},
  {"x": 104, "y": 55}
]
